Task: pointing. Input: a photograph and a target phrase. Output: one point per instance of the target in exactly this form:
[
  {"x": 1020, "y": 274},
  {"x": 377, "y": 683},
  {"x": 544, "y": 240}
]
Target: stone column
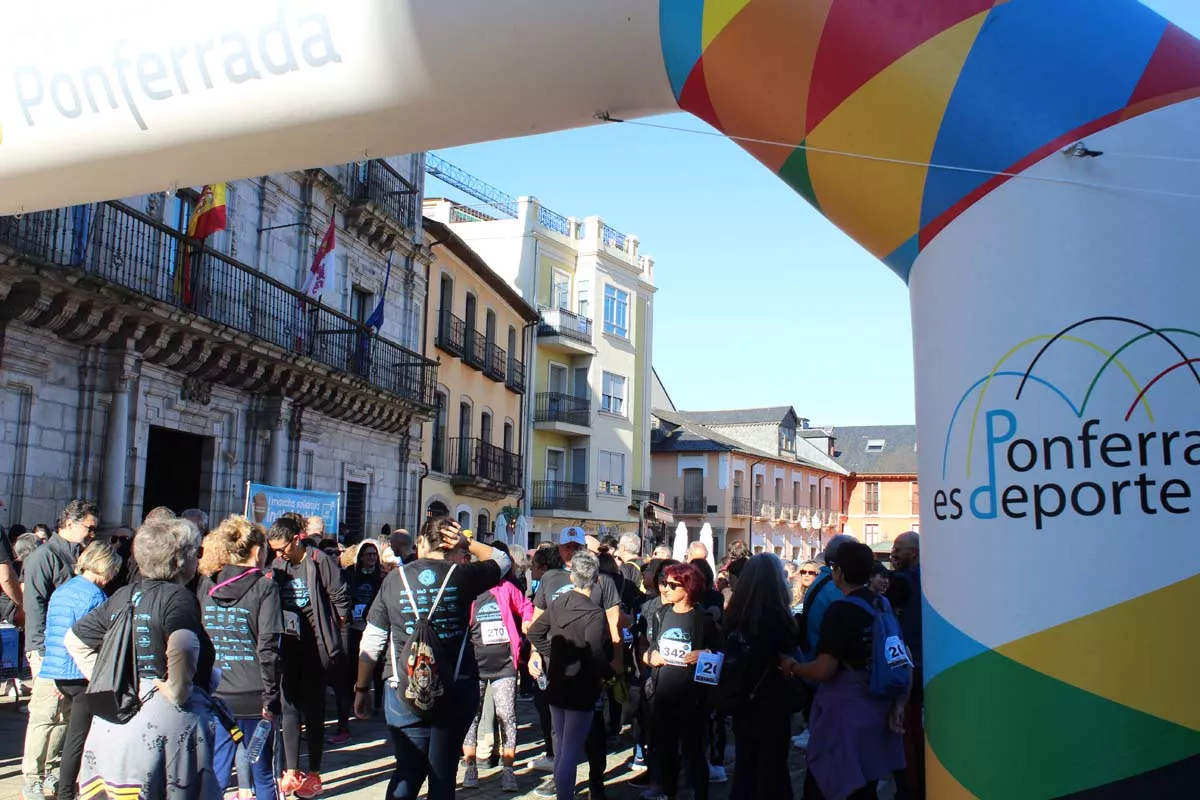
[
  {"x": 275, "y": 422},
  {"x": 116, "y": 452}
]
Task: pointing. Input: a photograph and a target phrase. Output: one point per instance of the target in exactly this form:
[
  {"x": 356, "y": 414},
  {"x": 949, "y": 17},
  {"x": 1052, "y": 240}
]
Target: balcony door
[
  {"x": 560, "y": 290},
  {"x": 557, "y": 387},
  {"x": 693, "y": 491},
  {"x": 579, "y": 466},
  {"x": 554, "y": 474}
]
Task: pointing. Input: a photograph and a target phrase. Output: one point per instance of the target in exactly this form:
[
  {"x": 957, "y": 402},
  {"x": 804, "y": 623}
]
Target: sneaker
[
  {"x": 341, "y": 736},
  {"x": 50, "y": 785},
  {"x": 542, "y": 764},
  {"x": 638, "y": 764},
  {"x": 32, "y": 790},
  {"x": 716, "y": 774},
  {"x": 546, "y": 789},
  {"x": 290, "y": 782},
  {"x": 508, "y": 781},
  {"x": 310, "y": 787},
  {"x": 800, "y": 741},
  {"x": 471, "y": 777}
]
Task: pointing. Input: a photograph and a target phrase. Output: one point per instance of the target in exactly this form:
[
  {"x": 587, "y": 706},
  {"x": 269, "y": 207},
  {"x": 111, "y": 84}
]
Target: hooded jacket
[
  {"x": 47, "y": 568},
  {"x": 327, "y": 591},
  {"x": 362, "y": 587},
  {"x": 244, "y": 618},
  {"x": 573, "y": 636}
]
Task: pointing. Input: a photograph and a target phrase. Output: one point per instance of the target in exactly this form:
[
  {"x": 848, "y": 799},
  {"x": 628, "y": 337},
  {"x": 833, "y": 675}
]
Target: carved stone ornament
[{"x": 196, "y": 391}]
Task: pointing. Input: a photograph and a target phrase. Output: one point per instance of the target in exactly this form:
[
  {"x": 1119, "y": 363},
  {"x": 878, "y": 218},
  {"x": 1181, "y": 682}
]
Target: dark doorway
[
  {"x": 175, "y": 470},
  {"x": 356, "y": 512}
]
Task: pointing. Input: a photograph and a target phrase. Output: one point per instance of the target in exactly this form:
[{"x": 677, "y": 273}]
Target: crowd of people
[{"x": 176, "y": 661}]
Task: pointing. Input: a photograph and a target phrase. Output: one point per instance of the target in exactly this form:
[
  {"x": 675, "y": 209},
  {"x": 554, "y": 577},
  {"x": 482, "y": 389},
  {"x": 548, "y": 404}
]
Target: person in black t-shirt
[
  {"x": 843, "y": 710},
  {"x": 678, "y": 706},
  {"x": 429, "y": 749}
]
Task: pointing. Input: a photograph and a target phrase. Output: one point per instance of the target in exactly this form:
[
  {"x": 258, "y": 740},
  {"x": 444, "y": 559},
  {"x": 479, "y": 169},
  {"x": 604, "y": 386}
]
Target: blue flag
[{"x": 376, "y": 319}]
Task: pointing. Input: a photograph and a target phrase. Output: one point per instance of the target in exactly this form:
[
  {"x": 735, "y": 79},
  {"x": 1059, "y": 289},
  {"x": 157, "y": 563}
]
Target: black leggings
[
  {"x": 76, "y": 738},
  {"x": 304, "y": 682},
  {"x": 681, "y": 726},
  {"x": 596, "y": 750},
  {"x": 543, "y": 709}
]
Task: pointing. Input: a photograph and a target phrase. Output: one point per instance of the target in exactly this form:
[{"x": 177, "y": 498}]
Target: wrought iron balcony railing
[
  {"x": 116, "y": 243},
  {"x": 378, "y": 182},
  {"x": 690, "y": 504},
  {"x": 496, "y": 359},
  {"x": 476, "y": 349},
  {"x": 560, "y": 496},
  {"x": 515, "y": 379},
  {"x": 740, "y": 506},
  {"x": 560, "y": 322},
  {"x": 558, "y": 407},
  {"x": 451, "y": 333},
  {"x": 484, "y": 463}
]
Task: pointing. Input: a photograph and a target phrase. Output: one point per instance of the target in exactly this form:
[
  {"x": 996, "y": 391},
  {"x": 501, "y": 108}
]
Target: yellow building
[
  {"x": 590, "y": 380},
  {"x": 480, "y": 331}
]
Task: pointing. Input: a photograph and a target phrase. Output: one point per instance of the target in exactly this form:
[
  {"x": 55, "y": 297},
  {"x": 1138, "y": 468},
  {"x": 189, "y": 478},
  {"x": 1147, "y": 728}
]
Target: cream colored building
[
  {"x": 751, "y": 475},
  {"x": 590, "y": 380},
  {"x": 480, "y": 330}
]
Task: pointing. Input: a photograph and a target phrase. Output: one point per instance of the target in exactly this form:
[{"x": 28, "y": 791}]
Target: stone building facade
[{"x": 118, "y": 385}]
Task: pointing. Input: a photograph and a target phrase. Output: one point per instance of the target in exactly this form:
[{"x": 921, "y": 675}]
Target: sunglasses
[
  {"x": 673, "y": 585},
  {"x": 808, "y": 572}
]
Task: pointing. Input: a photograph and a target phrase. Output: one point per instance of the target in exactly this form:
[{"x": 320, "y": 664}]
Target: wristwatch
[{"x": 358, "y": 689}]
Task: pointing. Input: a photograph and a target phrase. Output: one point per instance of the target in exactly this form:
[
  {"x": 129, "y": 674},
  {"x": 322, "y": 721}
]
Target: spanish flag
[{"x": 207, "y": 218}]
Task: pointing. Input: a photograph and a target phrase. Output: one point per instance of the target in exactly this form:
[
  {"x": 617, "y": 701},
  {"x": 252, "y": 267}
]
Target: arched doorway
[{"x": 437, "y": 509}]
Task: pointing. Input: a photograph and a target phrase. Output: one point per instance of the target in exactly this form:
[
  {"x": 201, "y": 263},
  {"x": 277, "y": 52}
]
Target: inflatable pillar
[{"x": 1057, "y": 345}]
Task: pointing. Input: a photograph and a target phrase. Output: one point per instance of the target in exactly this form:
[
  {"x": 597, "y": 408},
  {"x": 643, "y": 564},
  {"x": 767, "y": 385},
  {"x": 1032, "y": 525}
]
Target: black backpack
[
  {"x": 112, "y": 692},
  {"x": 419, "y": 670}
]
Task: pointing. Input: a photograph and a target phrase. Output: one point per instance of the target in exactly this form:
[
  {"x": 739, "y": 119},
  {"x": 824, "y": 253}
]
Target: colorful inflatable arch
[{"x": 1030, "y": 167}]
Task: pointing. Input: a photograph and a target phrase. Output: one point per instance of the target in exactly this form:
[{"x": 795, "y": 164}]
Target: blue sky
[{"x": 761, "y": 301}]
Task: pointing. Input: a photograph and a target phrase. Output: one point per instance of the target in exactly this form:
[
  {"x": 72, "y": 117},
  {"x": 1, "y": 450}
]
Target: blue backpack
[{"x": 891, "y": 664}]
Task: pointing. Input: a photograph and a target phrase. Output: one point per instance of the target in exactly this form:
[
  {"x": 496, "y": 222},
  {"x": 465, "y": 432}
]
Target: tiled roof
[
  {"x": 692, "y": 436},
  {"x": 898, "y": 456},
  {"x": 742, "y": 416}
]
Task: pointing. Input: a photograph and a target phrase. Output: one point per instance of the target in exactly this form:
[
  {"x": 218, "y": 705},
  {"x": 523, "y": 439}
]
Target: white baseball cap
[{"x": 572, "y": 534}]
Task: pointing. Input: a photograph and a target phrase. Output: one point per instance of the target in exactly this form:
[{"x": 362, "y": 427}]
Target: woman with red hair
[{"x": 679, "y": 705}]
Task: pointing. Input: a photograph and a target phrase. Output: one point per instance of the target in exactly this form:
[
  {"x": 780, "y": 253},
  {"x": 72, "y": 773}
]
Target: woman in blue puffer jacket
[{"x": 95, "y": 567}]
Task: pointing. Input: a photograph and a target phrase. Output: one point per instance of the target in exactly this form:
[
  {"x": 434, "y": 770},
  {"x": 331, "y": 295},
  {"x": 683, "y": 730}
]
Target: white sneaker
[
  {"x": 542, "y": 764},
  {"x": 471, "y": 778},
  {"x": 716, "y": 774},
  {"x": 800, "y": 741},
  {"x": 508, "y": 781}
]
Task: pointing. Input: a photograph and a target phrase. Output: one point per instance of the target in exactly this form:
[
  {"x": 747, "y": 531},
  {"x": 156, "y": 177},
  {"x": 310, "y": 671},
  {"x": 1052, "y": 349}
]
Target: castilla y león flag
[{"x": 317, "y": 279}]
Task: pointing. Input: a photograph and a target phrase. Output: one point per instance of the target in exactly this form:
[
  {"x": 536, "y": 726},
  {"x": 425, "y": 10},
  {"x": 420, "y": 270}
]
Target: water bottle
[
  {"x": 259, "y": 740},
  {"x": 542, "y": 682}
]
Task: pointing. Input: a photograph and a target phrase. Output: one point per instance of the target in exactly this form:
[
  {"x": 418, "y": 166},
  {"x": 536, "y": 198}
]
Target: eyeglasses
[
  {"x": 672, "y": 585},
  {"x": 808, "y": 572}
]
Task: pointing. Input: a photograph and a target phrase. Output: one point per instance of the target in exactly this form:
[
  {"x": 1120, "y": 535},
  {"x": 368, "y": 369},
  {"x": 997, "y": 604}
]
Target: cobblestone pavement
[{"x": 360, "y": 770}]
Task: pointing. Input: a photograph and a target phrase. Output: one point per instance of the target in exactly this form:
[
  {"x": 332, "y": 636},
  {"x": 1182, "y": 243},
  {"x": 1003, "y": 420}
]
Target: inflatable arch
[{"x": 1031, "y": 168}]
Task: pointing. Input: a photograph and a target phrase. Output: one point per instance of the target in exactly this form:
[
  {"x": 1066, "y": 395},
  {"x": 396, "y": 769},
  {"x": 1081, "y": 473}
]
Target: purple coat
[{"x": 850, "y": 743}]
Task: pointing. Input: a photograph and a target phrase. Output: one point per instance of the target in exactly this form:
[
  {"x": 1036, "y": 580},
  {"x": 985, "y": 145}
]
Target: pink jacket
[{"x": 512, "y": 602}]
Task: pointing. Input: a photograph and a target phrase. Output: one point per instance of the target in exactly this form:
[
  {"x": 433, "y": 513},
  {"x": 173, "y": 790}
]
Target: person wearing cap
[{"x": 554, "y": 585}]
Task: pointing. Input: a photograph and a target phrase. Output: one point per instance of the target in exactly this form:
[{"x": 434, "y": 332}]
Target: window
[
  {"x": 778, "y": 490},
  {"x": 613, "y": 397},
  {"x": 360, "y": 304},
  {"x": 512, "y": 344},
  {"x": 876, "y": 445},
  {"x": 915, "y": 508},
  {"x": 438, "y": 457},
  {"x": 583, "y": 301},
  {"x": 489, "y": 328},
  {"x": 446, "y": 301},
  {"x": 829, "y": 497},
  {"x": 795, "y": 493},
  {"x": 560, "y": 290},
  {"x": 464, "y": 520},
  {"x": 485, "y": 427},
  {"x": 469, "y": 315},
  {"x": 871, "y": 497},
  {"x": 737, "y": 484},
  {"x": 483, "y": 524},
  {"x": 787, "y": 439},
  {"x": 758, "y": 488},
  {"x": 871, "y": 532},
  {"x": 464, "y": 420},
  {"x": 612, "y": 473},
  {"x": 812, "y": 496},
  {"x": 508, "y": 436},
  {"x": 616, "y": 311}
]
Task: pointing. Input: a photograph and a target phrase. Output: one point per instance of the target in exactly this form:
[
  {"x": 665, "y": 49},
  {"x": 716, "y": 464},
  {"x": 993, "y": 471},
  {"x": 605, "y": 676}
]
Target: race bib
[
  {"x": 360, "y": 610},
  {"x": 708, "y": 668},
  {"x": 673, "y": 652},
  {"x": 494, "y": 632},
  {"x": 626, "y": 635},
  {"x": 896, "y": 652},
  {"x": 291, "y": 623}
]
